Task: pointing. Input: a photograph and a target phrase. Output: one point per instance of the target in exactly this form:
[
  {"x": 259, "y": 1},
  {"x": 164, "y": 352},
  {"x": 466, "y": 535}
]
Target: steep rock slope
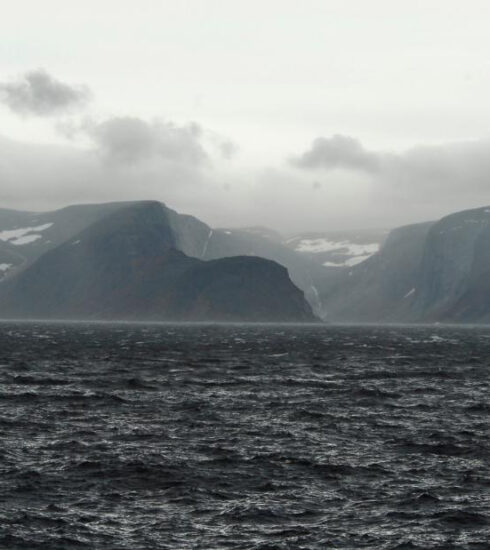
[
  {"x": 453, "y": 278},
  {"x": 379, "y": 289},
  {"x": 424, "y": 273},
  {"x": 25, "y": 236}
]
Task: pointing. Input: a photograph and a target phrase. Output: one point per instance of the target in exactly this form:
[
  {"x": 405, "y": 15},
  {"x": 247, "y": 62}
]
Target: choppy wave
[{"x": 253, "y": 437}]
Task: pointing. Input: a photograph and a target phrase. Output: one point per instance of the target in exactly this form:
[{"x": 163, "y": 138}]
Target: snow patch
[
  {"x": 349, "y": 262},
  {"x": 409, "y": 293},
  {"x": 23, "y": 235},
  {"x": 345, "y": 247},
  {"x": 5, "y": 267},
  {"x": 345, "y": 253},
  {"x": 26, "y": 239},
  {"x": 356, "y": 260}
]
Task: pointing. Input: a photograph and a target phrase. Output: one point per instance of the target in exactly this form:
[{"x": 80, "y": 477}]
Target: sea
[{"x": 270, "y": 437}]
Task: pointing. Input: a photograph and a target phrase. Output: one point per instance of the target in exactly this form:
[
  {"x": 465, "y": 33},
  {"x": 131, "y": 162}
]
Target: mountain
[
  {"x": 25, "y": 236},
  {"x": 305, "y": 272},
  {"x": 127, "y": 263},
  {"x": 453, "y": 282},
  {"x": 143, "y": 260},
  {"x": 314, "y": 260},
  {"x": 432, "y": 272},
  {"x": 376, "y": 289}
]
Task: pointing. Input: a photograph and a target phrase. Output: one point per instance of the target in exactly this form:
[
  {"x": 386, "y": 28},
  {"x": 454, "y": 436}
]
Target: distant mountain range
[
  {"x": 143, "y": 260},
  {"x": 139, "y": 261},
  {"x": 312, "y": 259}
]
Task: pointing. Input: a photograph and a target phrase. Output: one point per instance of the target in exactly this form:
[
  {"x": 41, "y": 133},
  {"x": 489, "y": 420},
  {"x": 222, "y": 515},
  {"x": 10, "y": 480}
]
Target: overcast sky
[{"x": 311, "y": 115}]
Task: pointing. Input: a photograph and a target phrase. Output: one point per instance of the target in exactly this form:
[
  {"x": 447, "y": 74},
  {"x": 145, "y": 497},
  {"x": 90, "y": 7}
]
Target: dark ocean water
[{"x": 247, "y": 437}]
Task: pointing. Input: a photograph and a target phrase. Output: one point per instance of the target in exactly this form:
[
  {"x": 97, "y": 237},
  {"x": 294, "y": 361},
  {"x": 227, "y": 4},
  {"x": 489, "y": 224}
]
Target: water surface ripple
[{"x": 247, "y": 437}]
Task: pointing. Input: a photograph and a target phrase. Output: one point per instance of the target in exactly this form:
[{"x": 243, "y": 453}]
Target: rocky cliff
[{"x": 433, "y": 272}]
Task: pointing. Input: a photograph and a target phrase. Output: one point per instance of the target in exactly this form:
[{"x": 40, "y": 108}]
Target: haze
[{"x": 299, "y": 116}]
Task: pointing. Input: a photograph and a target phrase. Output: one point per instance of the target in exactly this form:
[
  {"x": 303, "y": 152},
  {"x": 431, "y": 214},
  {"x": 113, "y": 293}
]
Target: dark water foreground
[{"x": 212, "y": 437}]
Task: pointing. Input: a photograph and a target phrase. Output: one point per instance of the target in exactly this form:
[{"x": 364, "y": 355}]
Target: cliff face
[
  {"x": 454, "y": 272},
  {"x": 424, "y": 273},
  {"x": 126, "y": 265},
  {"x": 378, "y": 288}
]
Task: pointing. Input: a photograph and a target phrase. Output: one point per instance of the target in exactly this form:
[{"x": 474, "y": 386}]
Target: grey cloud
[
  {"x": 420, "y": 184},
  {"x": 225, "y": 147},
  {"x": 464, "y": 166},
  {"x": 38, "y": 93},
  {"x": 42, "y": 177},
  {"x": 339, "y": 151},
  {"x": 228, "y": 149},
  {"x": 131, "y": 140}
]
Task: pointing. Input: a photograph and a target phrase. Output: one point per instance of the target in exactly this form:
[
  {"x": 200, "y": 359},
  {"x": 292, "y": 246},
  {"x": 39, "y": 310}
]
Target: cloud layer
[
  {"x": 335, "y": 183},
  {"x": 461, "y": 168},
  {"x": 421, "y": 184},
  {"x": 339, "y": 151},
  {"x": 40, "y": 94},
  {"x": 131, "y": 140},
  {"x": 424, "y": 182}
]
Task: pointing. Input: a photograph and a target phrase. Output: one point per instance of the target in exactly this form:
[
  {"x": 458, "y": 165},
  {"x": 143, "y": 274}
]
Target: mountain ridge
[
  {"x": 126, "y": 266},
  {"x": 193, "y": 237}
]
